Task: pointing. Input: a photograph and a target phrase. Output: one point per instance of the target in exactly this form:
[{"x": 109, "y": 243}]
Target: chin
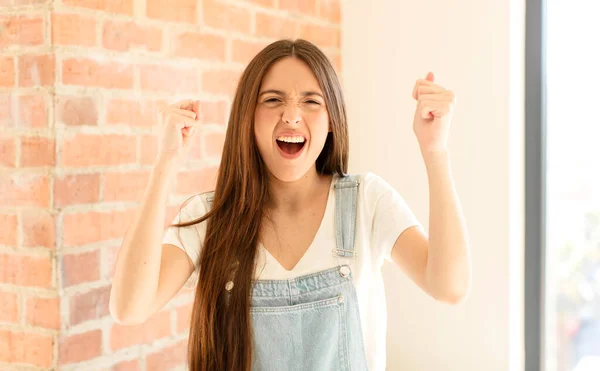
[{"x": 291, "y": 174}]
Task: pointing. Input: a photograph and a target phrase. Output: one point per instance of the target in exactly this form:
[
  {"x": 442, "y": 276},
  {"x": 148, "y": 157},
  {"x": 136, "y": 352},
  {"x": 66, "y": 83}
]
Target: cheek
[
  {"x": 262, "y": 128},
  {"x": 320, "y": 127}
]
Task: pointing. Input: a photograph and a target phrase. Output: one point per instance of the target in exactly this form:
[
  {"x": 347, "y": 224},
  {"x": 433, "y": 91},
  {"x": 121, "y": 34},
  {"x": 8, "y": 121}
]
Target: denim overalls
[{"x": 312, "y": 322}]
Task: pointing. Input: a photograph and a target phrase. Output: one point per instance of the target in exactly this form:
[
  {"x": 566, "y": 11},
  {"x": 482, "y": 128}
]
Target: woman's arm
[
  {"x": 439, "y": 263},
  {"x": 135, "y": 293},
  {"x": 448, "y": 273}
]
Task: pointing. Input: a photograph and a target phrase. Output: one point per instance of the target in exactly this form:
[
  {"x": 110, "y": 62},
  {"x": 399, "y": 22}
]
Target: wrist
[
  {"x": 168, "y": 164},
  {"x": 435, "y": 155}
]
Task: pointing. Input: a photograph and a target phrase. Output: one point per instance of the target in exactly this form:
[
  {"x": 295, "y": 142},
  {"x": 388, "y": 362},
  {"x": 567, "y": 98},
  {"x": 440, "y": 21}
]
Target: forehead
[{"x": 290, "y": 74}]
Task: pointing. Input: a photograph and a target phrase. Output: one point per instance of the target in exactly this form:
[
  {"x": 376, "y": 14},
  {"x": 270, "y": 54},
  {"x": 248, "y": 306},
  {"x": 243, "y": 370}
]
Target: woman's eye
[
  {"x": 313, "y": 102},
  {"x": 271, "y": 100}
]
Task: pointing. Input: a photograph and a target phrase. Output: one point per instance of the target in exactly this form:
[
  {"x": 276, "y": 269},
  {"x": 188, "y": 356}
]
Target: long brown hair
[{"x": 220, "y": 333}]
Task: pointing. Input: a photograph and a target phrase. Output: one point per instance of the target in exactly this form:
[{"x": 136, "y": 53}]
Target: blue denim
[{"x": 312, "y": 322}]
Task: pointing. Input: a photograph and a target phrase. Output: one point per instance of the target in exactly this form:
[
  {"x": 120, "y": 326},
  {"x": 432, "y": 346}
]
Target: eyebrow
[{"x": 279, "y": 92}]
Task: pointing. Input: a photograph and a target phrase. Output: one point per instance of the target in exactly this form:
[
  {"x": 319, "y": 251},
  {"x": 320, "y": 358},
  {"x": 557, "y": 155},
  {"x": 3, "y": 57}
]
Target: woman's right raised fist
[{"x": 179, "y": 122}]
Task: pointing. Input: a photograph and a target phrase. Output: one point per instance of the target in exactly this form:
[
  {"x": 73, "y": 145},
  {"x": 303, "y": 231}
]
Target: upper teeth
[{"x": 295, "y": 139}]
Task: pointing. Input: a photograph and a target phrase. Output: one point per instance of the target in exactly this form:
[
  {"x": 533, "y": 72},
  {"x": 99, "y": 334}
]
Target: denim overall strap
[{"x": 346, "y": 192}]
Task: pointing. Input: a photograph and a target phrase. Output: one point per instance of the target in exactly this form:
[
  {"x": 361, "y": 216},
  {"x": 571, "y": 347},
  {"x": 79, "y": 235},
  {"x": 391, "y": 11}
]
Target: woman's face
[{"x": 291, "y": 120}]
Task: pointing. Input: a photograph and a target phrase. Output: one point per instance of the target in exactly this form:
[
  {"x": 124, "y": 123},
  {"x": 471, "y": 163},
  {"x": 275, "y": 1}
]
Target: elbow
[
  {"x": 124, "y": 316},
  {"x": 125, "y": 319},
  {"x": 453, "y": 296}
]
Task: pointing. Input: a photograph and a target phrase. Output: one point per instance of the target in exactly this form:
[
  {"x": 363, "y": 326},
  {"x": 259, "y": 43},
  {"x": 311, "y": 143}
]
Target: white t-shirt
[{"x": 382, "y": 215}]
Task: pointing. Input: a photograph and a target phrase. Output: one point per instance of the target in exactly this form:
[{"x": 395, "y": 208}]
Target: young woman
[{"x": 286, "y": 253}]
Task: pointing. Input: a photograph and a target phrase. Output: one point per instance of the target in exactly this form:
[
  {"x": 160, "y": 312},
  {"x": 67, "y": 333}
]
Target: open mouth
[
  {"x": 290, "y": 148},
  {"x": 291, "y": 145}
]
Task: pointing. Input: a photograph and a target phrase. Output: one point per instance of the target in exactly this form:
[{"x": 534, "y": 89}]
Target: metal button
[
  {"x": 340, "y": 298},
  {"x": 344, "y": 271},
  {"x": 229, "y": 285}
]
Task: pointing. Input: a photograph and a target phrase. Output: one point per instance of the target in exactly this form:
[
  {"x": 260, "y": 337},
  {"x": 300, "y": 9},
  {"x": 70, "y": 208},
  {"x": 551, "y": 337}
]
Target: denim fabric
[{"x": 312, "y": 322}]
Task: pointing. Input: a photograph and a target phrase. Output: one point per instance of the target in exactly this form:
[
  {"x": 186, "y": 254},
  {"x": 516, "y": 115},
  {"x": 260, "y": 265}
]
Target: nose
[{"x": 291, "y": 114}]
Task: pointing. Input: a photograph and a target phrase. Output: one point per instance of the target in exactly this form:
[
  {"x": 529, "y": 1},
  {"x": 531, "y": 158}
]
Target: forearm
[
  {"x": 448, "y": 262},
  {"x": 137, "y": 269}
]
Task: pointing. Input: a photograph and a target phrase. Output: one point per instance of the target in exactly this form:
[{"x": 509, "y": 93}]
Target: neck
[{"x": 291, "y": 196}]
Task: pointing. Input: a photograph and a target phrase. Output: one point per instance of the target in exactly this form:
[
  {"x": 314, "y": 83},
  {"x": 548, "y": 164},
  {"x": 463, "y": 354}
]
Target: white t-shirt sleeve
[
  {"x": 191, "y": 238},
  {"x": 391, "y": 215}
]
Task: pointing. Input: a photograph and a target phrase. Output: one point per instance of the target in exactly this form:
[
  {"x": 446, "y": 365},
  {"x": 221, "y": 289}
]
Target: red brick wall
[{"x": 79, "y": 85}]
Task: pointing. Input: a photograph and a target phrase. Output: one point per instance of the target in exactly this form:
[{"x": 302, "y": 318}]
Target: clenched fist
[{"x": 178, "y": 126}]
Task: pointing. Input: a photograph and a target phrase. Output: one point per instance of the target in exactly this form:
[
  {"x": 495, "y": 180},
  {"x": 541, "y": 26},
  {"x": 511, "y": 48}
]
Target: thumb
[{"x": 430, "y": 77}]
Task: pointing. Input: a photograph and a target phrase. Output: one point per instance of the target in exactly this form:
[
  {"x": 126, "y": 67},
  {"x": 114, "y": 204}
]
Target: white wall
[{"x": 473, "y": 49}]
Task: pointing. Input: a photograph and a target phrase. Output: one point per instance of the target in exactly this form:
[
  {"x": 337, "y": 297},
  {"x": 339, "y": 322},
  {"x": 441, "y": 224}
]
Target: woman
[{"x": 286, "y": 253}]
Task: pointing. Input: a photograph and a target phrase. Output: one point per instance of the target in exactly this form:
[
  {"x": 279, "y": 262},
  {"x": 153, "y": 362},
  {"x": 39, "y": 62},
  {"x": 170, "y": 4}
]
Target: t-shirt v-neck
[{"x": 315, "y": 258}]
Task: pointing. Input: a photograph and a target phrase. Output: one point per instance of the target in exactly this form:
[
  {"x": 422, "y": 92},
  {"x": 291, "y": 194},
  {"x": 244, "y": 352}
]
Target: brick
[
  {"x": 38, "y": 228},
  {"x": 169, "y": 79},
  {"x": 167, "y": 358},
  {"x": 7, "y": 112},
  {"x": 214, "y": 112},
  {"x": 76, "y": 111},
  {"x": 8, "y": 152},
  {"x": 9, "y": 302},
  {"x": 132, "y": 112},
  {"x": 110, "y": 6},
  {"x": 89, "y": 306},
  {"x": 93, "y": 226},
  {"x": 226, "y": 17},
  {"x": 190, "y": 182},
  {"x": 26, "y": 347},
  {"x": 123, "y": 36},
  {"x": 322, "y": 36},
  {"x": 80, "y": 268},
  {"x": 76, "y": 189},
  {"x": 275, "y": 27},
  {"x": 111, "y": 254},
  {"x": 29, "y": 2},
  {"x": 244, "y": 51},
  {"x": 148, "y": 149},
  {"x": 8, "y": 229},
  {"x": 196, "y": 148},
  {"x": 127, "y": 186},
  {"x": 330, "y": 10},
  {"x": 88, "y": 72},
  {"x": 73, "y": 29},
  {"x": 24, "y": 190},
  {"x": 7, "y": 72},
  {"x": 21, "y": 30},
  {"x": 172, "y": 10},
  {"x": 157, "y": 327},
  {"x": 201, "y": 46},
  {"x": 264, "y": 3},
  {"x": 213, "y": 144},
  {"x": 98, "y": 150},
  {"x": 308, "y": 7},
  {"x": 33, "y": 111},
  {"x": 43, "y": 312},
  {"x": 133, "y": 365},
  {"x": 184, "y": 317},
  {"x": 37, "y": 151},
  {"x": 336, "y": 61},
  {"x": 220, "y": 81},
  {"x": 25, "y": 270},
  {"x": 80, "y": 347},
  {"x": 36, "y": 70}
]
